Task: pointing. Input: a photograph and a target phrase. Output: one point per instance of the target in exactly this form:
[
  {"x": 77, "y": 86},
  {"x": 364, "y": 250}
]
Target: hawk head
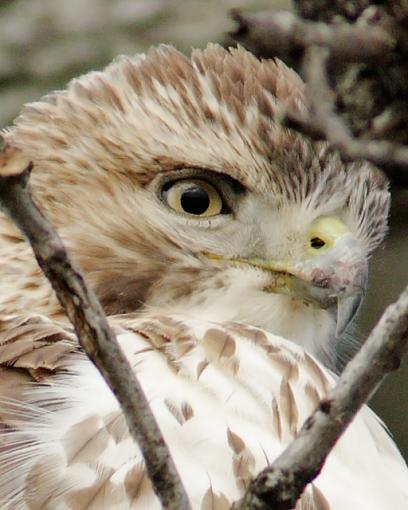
[{"x": 175, "y": 187}]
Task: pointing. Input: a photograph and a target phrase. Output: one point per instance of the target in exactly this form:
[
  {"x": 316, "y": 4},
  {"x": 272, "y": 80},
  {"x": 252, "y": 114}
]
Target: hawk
[{"x": 230, "y": 255}]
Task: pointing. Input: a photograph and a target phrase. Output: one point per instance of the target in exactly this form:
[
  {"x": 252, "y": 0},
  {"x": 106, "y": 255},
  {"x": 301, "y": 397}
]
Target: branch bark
[
  {"x": 94, "y": 334},
  {"x": 368, "y": 72},
  {"x": 323, "y": 123},
  {"x": 280, "y": 485},
  {"x": 283, "y": 34}
]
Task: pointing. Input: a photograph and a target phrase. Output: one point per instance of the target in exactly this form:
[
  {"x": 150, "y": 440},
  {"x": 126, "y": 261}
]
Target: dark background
[{"x": 44, "y": 43}]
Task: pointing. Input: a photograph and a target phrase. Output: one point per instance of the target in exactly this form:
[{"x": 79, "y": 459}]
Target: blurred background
[{"x": 44, "y": 43}]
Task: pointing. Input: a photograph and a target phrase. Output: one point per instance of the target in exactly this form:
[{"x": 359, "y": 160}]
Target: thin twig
[
  {"x": 95, "y": 336},
  {"x": 285, "y": 35},
  {"x": 322, "y": 122},
  {"x": 324, "y": 118},
  {"x": 282, "y": 34},
  {"x": 280, "y": 485}
]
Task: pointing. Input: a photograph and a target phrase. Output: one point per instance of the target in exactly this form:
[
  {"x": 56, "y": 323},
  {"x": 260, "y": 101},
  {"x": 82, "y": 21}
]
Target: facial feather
[{"x": 103, "y": 147}]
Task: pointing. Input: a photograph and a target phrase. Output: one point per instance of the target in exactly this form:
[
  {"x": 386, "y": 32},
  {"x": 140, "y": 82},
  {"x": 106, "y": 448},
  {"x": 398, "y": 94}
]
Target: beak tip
[{"x": 347, "y": 308}]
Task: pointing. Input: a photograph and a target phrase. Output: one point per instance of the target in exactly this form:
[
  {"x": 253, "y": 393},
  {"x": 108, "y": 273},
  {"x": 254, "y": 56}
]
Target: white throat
[{"x": 240, "y": 298}]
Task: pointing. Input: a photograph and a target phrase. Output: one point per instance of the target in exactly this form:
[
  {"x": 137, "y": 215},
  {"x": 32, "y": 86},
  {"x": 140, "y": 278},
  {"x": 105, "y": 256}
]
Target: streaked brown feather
[
  {"x": 288, "y": 407},
  {"x": 85, "y": 441},
  {"x": 32, "y": 348},
  {"x": 235, "y": 442},
  {"x": 214, "y": 501},
  {"x": 218, "y": 344},
  {"x": 136, "y": 482}
]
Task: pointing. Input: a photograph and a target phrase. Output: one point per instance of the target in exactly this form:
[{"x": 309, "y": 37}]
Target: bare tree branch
[
  {"x": 287, "y": 36},
  {"x": 392, "y": 158},
  {"x": 282, "y": 34},
  {"x": 94, "y": 334},
  {"x": 280, "y": 485},
  {"x": 323, "y": 123}
]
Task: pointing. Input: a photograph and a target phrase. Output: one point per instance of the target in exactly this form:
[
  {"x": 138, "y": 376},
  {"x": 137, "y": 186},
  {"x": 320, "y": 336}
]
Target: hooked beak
[
  {"x": 331, "y": 275},
  {"x": 347, "y": 308}
]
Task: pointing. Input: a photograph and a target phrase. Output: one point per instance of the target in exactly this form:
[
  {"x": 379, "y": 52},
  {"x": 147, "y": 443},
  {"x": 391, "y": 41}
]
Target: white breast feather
[{"x": 228, "y": 399}]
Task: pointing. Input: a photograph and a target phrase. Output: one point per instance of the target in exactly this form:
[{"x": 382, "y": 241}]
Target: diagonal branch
[
  {"x": 280, "y": 485},
  {"x": 95, "y": 336}
]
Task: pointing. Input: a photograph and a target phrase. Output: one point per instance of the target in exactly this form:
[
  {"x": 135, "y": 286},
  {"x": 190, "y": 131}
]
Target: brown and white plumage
[{"x": 221, "y": 315}]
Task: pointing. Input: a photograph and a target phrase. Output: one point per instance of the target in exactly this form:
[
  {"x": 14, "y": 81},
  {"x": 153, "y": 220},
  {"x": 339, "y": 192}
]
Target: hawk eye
[{"x": 194, "y": 197}]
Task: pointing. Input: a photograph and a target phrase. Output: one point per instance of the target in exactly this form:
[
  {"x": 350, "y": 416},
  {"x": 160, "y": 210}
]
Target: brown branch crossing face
[{"x": 91, "y": 326}]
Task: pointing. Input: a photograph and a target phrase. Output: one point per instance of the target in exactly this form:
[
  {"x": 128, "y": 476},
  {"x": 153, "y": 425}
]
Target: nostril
[{"x": 317, "y": 243}]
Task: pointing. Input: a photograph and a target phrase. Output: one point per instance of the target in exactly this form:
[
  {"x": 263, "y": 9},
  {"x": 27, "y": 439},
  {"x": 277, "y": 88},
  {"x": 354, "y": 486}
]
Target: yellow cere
[{"x": 328, "y": 229}]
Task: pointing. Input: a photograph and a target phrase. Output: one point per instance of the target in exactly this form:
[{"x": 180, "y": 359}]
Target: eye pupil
[
  {"x": 193, "y": 197},
  {"x": 195, "y": 200}
]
